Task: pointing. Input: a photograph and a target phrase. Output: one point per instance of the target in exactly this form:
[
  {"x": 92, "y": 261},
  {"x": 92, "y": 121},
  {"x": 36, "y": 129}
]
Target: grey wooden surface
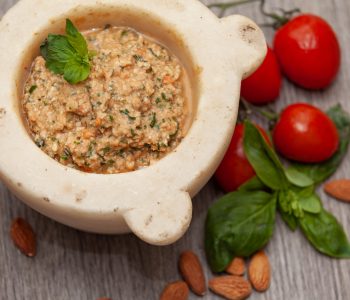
[{"x": 76, "y": 265}]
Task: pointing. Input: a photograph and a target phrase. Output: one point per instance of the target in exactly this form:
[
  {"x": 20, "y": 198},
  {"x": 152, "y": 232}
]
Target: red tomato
[
  {"x": 264, "y": 85},
  {"x": 308, "y": 51},
  {"x": 306, "y": 134},
  {"x": 235, "y": 168}
]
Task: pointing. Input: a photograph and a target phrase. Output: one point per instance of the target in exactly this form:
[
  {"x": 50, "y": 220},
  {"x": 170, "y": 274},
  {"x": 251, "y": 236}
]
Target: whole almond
[
  {"x": 104, "y": 298},
  {"x": 260, "y": 271},
  {"x": 231, "y": 287},
  {"x": 236, "y": 267},
  {"x": 23, "y": 236},
  {"x": 339, "y": 189},
  {"x": 175, "y": 291},
  {"x": 192, "y": 272}
]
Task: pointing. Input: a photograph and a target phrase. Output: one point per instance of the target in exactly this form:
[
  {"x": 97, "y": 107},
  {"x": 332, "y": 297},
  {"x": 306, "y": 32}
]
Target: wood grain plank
[{"x": 76, "y": 265}]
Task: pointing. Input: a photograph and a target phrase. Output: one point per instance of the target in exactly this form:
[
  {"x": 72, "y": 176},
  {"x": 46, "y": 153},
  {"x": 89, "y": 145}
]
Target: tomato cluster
[{"x": 305, "y": 50}]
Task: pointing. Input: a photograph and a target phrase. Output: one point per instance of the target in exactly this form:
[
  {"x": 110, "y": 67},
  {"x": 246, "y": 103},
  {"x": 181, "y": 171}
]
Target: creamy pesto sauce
[{"x": 129, "y": 113}]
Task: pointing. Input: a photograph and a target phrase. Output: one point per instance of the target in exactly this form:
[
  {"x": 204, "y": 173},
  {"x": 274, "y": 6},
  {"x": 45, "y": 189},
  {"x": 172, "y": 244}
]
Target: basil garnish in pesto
[{"x": 67, "y": 55}]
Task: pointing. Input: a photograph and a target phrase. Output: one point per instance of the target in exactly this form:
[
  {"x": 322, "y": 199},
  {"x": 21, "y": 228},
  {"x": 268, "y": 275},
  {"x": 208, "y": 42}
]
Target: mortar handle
[
  {"x": 252, "y": 48},
  {"x": 162, "y": 219}
]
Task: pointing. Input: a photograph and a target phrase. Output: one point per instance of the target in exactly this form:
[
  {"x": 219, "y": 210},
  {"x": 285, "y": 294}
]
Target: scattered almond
[
  {"x": 236, "y": 267},
  {"x": 23, "y": 236},
  {"x": 104, "y": 298},
  {"x": 231, "y": 287},
  {"x": 260, "y": 272},
  {"x": 339, "y": 189},
  {"x": 192, "y": 272},
  {"x": 175, "y": 291}
]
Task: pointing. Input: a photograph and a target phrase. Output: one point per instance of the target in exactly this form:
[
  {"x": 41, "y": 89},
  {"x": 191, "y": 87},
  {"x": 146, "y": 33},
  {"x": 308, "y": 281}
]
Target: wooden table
[{"x": 76, "y": 265}]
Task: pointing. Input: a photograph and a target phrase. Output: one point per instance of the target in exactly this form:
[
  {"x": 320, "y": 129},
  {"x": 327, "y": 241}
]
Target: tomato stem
[
  {"x": 225, "y": 6},
  {"x": 278, "y": 19},
  {"x": 248, "y": 109}
]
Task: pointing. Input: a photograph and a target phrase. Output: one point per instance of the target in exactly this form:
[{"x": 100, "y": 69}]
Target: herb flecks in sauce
[
  {"x": 127, "y": 113},
  {"x": 32, "y": 88}
]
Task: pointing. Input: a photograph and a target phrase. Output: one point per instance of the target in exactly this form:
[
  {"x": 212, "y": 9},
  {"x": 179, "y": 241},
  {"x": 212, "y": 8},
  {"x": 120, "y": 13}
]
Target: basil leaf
[
  {"x": 76, "y": 71},
  {"x": 44, "y": 49},
  {"x": 297, "y": 178},
  {"x": 59, "y": 49},
  {"x": 55, "y": 67},
  {"x": 263, "y": 158},
  {"x": 58, "y": 53},
  {"x": 308, "y": 200},
  {"x": 76, "y": 39},
  {"x": 254, "y": 184},
  {"x": 320, "y": 172},
  {"x": 238, "y": 224},
  {"x": 311, "y": 204},
  {"x": 67, "y": 55},
  {"x": 289, "y": 219},
  {"x": 304, "y": 192},
  {"x": 326, "y": 234}
]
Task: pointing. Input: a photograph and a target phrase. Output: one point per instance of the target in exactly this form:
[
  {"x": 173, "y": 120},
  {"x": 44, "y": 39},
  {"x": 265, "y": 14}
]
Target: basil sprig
[
  {"x": 67, "y": 55},
  {"x": 242, "y": 222}
]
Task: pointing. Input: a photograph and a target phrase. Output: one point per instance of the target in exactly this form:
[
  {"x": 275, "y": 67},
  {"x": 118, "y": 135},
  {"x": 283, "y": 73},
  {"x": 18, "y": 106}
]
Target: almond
[
  {"x": 260, "y": 272},
  {"x": 104, "y": 298},
  {"x": 23, "y": 236},
  {"x": 192, "y": 272},
  {"x": 175, "y": 291},
  {"x": 236, "y": 267},
  {"x": 231, "y": 287},
  {"x": 339, "y": 189}
]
